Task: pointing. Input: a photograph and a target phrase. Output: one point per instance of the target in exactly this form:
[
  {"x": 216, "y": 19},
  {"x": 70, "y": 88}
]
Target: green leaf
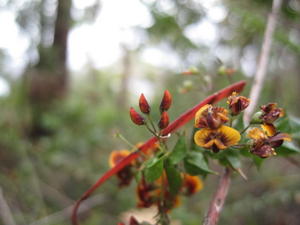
[
  {"x": 179, "y": 151},
  {"x": 153, "y": 169},
  {"x": 195, "y": 164},
  {"x": 283, "y": 125},
  {"x": 233, "y": 159},
  {"x": 174, "y": 178},
  {"x": 287, "y": 148}
]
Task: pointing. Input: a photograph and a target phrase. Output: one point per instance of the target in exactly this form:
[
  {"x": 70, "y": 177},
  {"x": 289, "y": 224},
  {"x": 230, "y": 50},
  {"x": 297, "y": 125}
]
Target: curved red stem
[{"x": 179, "y": 122}]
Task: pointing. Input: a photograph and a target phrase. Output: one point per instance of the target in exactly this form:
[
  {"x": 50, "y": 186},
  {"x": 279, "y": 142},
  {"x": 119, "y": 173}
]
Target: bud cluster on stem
[{"x": 145, "y": 108}]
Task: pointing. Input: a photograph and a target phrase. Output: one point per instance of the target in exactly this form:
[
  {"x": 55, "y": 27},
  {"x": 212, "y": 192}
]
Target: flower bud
[
  {"x": 256, "y": 118},
  {"x": 166, "y": 101},
  {"x": 271, "y": 113},
  {"x": 144, "y": 106},
  {"x": 164, "y": 120},
  {"x": 263, "y": 151},
  {"x": 133, "y": 221},
  {"x": 136, "y": 117},
  {"x": 237, "y": 103}
]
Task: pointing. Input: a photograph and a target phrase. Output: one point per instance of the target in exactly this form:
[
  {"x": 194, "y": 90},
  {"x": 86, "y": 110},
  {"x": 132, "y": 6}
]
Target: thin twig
[
  {"x": 218, "y": 200},
  {"x": 5, "y": 212},
  {"x": 263, "y": 61}
]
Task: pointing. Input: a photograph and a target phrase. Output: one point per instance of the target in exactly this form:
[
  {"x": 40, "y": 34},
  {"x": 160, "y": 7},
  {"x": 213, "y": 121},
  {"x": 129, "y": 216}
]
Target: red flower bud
[
  {"x": 133, "y": 221},
  {"x": 144, "y": 106},
  {"x": 164, "y": 120},
  {"x": 136, "y": 117},
  {"x": 166, "y": 101},
  {"x": 121, "y": 224}
]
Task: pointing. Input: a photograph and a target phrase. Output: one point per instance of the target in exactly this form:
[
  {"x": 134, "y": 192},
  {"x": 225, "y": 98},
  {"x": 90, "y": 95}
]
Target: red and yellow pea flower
[
  {"x": 126, "y": 174},
  {"x": 191, "y": 184},
  {"x": 271, "y": 113},
  {"x": 150, "y": 194},
  {"x": 237, "y": 103},
  {"x": 217, "y": 139},
  {"x": 265, "y": 140},
  {"x": 211, "y": 117}
]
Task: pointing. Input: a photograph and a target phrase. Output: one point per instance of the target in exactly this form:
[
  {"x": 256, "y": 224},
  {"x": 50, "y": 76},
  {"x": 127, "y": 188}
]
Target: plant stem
[
  {"x": 125, "y": 140},
  {"x": 263, "y": 60},
  {"x": 151, "y": 122},
  {"x": 216, "y": 205},
  {"x": 151, "y": 131},
  {"x": 244, "y": 130}
]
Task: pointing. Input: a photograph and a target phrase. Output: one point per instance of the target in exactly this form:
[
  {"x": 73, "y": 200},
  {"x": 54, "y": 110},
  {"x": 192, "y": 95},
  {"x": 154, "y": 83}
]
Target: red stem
[
  {"x": 218, "y": 201},
  {"x": 180, "y": 121}
]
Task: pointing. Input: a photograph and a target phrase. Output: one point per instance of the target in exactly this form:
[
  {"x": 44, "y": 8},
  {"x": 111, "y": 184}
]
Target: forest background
[{"x": 70, "y": 70}]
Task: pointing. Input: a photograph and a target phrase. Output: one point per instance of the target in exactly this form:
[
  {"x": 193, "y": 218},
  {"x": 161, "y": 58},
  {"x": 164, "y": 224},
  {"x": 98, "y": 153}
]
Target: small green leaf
[
  {"x": 196, "y": 164},
  {"x": 174, "y": 178},
  {"x": 179, "y": 151},
  {"x": 153, "y": 169},
  {"x": 283, "y": 125},
  {"x": 233, "y": 159}
]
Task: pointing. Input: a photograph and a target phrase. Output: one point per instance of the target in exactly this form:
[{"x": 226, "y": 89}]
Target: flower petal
[
  {"x": 269, "y": 129},
  {"x": 232, "y": 136},
  {"x": 257, "y": 134},
  {"x": 117, "y": 156},
  {"x": 198, "y": 115},
  {"x": 201, "y": 136}
]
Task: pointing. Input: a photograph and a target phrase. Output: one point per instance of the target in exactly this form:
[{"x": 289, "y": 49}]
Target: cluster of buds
[
  {"x": 267, "y": 138},
  {"x": 145, "y": 108}
]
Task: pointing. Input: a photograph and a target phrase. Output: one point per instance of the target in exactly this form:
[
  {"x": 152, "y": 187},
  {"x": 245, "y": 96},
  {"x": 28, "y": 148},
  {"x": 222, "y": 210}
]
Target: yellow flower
[
  {"x": 266, "y": 139},
  {"x": 116, "y": 156},
  {"x": 191, "y": 184},
  {"x": 211, "y": 117},
  {"x": 126, "y": 174},
  {"x": 217, "y": 139}
]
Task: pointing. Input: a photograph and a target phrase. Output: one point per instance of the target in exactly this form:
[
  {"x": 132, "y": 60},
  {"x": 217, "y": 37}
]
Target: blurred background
[{"x": 70, "y": 70}]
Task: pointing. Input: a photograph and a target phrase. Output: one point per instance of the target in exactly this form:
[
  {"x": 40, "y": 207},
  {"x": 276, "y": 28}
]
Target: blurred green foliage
[{"x": 45, "y": 173}]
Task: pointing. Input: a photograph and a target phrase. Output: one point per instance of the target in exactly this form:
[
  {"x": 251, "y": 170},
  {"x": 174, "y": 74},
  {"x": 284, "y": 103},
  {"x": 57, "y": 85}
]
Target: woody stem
[{"x": 216, "y": 205}]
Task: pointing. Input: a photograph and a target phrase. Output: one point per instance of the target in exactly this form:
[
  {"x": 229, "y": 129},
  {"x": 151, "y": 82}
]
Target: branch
[
  {"x": 179, "y": 122},
  {"x": 5, "y": 212},
  {"x": 218, "y": 201},
  {"x": 260, "y": 74}
]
